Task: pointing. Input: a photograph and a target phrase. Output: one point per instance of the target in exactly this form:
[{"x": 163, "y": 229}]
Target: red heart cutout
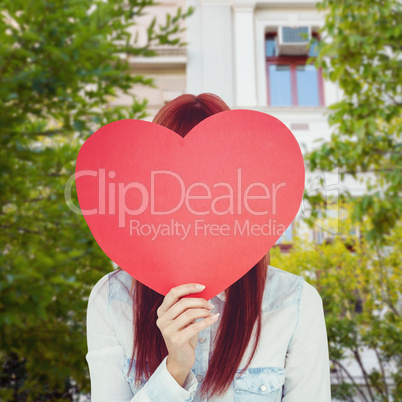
[{"x": 138, "y": 183}]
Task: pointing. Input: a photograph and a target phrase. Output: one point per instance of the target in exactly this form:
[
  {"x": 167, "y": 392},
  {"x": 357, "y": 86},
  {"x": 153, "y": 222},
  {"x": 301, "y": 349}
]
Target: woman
[{"x": 269, "y": 342}]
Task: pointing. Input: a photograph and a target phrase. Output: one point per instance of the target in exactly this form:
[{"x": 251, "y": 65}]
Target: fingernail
[
  {"x": 215, "y": 316},
  {"x": 210, "y": 305},
  {"x": 200, "y": 286}
]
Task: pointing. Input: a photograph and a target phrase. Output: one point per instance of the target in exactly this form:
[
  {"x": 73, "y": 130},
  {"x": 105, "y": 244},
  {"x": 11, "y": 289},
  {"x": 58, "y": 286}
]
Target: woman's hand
[{"x": 176, "y": 321}]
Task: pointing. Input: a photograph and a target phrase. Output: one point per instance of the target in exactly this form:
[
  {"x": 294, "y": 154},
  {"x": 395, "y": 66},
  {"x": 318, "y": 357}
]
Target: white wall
[
  {"x": 226, "y": 56},
  {"x": 210, "y": 49}
]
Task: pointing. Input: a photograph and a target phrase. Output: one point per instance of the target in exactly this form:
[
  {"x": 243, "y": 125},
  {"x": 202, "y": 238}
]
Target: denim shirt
[{"x": 291, "y": 363}]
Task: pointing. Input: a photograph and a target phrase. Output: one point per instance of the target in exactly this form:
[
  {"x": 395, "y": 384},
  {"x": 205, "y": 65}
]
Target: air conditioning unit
[{"x": 290, "y": 42}]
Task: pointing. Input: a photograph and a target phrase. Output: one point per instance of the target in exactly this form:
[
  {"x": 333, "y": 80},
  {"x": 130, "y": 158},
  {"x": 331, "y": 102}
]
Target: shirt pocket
[
  {"x": 259, "y": 384},
  {"x": 130, "y": 377}
]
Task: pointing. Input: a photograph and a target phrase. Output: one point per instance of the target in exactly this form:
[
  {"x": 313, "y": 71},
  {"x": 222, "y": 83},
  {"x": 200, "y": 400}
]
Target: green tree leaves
[
  {"x": 359, "y": 282},
  {"x": 360, "y": 51}
]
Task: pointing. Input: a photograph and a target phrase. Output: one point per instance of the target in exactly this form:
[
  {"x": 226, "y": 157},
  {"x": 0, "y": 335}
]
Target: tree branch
[
  {"x": 352, "y": 380},
  {"x": 383, "y": 374},
  {"x": 364, "y": 372},
  {"x": 386, "y": 296},
  {"x": 22, "y": 230}
]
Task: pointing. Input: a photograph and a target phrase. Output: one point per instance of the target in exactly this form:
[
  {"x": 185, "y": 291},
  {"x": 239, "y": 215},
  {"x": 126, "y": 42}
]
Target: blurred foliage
[
  {"x": 359, "y": 282},
  {"x": 360, "y": 51},
  {"x": 60, "y": 64}
]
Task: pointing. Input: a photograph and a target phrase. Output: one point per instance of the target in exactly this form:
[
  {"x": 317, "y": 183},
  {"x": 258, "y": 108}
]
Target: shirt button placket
[{"x": 202, "y": 352}]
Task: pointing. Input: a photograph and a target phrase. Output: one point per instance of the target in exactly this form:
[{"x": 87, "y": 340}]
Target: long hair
[{"x": 242, "y": 309}]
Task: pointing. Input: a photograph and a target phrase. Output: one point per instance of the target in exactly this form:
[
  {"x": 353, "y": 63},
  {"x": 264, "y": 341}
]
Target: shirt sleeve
[
  {"x": 106, "y": 358},
  {"x": 307, "y": 360}
]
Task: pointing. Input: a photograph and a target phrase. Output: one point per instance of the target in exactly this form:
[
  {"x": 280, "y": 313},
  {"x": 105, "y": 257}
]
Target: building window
[
  {"x": 292, "y": 82},
  {"x": 285, "y": 241},
  {"x": 287, "y": 237}
]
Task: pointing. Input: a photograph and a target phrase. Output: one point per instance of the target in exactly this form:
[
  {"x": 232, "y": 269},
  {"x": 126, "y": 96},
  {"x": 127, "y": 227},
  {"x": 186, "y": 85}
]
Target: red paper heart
[{"x": 227, "y": 154}]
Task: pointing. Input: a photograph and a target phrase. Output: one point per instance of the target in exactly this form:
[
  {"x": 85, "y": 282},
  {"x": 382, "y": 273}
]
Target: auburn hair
[{"x": 242, "y": 309}]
